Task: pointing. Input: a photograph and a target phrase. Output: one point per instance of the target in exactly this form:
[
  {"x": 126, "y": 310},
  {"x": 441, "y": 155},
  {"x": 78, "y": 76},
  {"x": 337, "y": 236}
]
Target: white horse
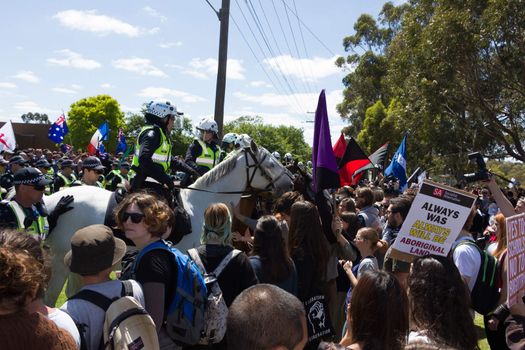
[{"x": 249, "y": 168}]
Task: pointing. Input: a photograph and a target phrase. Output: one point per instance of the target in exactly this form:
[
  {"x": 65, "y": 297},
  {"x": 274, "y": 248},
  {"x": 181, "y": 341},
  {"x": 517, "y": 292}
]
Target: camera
[{"x": 482, "y": 174}]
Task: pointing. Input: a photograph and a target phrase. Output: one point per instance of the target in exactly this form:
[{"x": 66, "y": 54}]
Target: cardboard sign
[
  {"x": 433, "y": 223},
  {"x": 515, "y": 258}
]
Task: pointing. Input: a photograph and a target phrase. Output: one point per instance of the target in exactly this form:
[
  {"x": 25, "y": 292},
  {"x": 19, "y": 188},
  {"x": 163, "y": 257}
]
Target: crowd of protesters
[{"x": 299, "y": 282}]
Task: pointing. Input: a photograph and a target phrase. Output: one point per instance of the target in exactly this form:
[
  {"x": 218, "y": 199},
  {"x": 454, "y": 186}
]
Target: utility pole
[{"x": 224, "y": 18}]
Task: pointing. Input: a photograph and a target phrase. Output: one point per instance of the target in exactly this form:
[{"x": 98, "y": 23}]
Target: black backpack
[{"x": 485, "y": 294}]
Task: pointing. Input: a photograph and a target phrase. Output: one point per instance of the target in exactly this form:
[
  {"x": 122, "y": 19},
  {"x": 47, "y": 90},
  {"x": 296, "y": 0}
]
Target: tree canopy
[
  {"x": 87, "y": 114},
  {"x": 281, "y": 138},
  {"x": 454, "y": 71}
]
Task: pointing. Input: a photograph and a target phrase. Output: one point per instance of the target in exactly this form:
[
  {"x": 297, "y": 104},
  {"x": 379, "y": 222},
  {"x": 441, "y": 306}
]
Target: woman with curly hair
[
  {"x": 20, "y": 278},
  {"x": 439, "y": 305},
  {"x": 32, "y": 245},
  {"x": 145, "y": 219},
  {"x": 270, "y": 259}
]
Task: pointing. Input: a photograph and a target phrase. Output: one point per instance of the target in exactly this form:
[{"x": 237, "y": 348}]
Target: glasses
[
  {"x": 135, "y": 217},
  {"x": 39, "y": 188}
]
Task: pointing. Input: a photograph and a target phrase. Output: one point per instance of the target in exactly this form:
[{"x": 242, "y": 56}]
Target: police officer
[
  {"x": 152, "y": 161},
  {"x": 26, "y": 211},
  {"x": 65, "y": 176},
  {"x": 6, "y": 181},
  {"x": 228, "y": 144},
  {"x": 43, "y": 165},
  {"x": 204, "y": 152},
  {"x": 119, "y": 178},
  {"x": 92, "y": 168}
]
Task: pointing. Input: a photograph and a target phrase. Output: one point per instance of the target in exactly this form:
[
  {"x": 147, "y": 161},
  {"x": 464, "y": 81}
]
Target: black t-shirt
[
  {"x": 159, "y": 266},
  {"x": 236, "y": 276}
]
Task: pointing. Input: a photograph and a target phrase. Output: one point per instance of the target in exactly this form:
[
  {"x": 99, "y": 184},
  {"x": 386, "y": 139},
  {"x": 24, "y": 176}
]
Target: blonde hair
[
  {"x": 217, "y": 224},
  {"x": 158, "y": 216},
  {"x": 371, "y": 236}
]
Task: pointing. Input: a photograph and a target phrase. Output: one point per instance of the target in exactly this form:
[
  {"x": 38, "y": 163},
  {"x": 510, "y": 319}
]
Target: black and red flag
[
  {"x": 353, "y": 159},
  {"x": 378, "y": 159}
]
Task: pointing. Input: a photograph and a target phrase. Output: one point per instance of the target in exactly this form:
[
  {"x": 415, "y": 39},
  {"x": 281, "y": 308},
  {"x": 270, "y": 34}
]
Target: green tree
[
  {"x": 38, "y": 118},
  {"x": 281, "y": 138},
  {"x": 87, "y": 114},
  {"x": 455, "y": 70}
]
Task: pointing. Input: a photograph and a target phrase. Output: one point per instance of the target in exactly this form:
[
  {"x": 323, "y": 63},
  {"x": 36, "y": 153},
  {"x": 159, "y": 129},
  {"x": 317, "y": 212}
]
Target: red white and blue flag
[
  {"x": 58, "y": 130},
  {"x": 100, "y": 135}
]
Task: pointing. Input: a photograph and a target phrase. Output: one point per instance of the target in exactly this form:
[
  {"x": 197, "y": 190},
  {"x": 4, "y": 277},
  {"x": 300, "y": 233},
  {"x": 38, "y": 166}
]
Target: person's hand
[
  {"x": 347, "y": 265},
  {"x": 237, "y": 237},
  {"x": 518, "y": 308},
  {"x": 63, "y": 205},
  {"x": 337, "y": 225},
  {"x": 492, "y": 323}
]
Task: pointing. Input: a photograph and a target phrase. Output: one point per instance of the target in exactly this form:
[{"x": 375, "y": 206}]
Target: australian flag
[
  {"x": 58, "y": 130},
  {"x": 121, "y": 142}
]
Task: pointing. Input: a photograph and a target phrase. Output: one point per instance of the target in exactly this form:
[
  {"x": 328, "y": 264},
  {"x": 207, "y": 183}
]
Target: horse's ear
[{"x": 253, "y": 146}]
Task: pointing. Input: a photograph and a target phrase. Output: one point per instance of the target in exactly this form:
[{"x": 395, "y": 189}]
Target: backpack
[
  {"x": 185, "y": 314},
  {"x": 126, "y": 324},
  {"x": 216, "y": 314},
  {"x": 485, "y": 294}
]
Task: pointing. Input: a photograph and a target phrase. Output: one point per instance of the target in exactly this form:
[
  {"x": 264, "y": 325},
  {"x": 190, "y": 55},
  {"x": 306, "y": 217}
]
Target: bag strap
[
  {"x": 93, "y": 297},
  {"x": 194, "y": 255},
  {"x": 127, "y": 289},
  {"x": 226, "y": 261}
]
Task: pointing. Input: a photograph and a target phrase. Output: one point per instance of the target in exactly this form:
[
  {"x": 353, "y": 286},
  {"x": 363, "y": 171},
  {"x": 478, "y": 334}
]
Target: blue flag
[
  {"x": 398, "y": 166},
  {"x": 325, "y": 173},
  {"x": 121, "y": 142},
  {"x": 58, "y": 130}
]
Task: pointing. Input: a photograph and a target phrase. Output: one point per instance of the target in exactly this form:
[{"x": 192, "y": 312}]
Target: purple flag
[{"x": 325, "y": 173}]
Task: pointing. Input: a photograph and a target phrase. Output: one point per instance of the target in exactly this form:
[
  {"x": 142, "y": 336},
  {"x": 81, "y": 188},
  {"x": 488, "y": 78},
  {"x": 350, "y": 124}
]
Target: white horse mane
[{"x": 222, "y": 169}]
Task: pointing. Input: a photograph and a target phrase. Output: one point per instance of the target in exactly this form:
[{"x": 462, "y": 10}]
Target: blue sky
[{"x": 56, "y": 52}]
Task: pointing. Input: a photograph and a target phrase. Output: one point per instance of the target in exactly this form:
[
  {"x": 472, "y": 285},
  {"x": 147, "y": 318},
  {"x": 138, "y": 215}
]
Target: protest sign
[
  {"x": 433, "y": 223},
  {"x": 515, "y": 258}
]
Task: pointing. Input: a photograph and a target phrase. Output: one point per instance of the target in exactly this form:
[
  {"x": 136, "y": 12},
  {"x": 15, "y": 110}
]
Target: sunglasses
[
  {"x": 135, "y": 217},
  {"x": 39, "y": 188}
]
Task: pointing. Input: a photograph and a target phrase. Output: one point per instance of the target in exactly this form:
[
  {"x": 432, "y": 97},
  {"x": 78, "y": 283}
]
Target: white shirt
[
  {"x": 468, "y": 261},
  {"x": 84, "y": 312},
  {"x": 64, "y": 321}
]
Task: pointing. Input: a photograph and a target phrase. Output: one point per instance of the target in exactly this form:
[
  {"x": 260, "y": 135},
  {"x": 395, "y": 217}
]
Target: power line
[
  {"x": 258, "y": 23},
  {"x": 304, "y": 44},
  {"x": 276, "y": 86},
  {"x": 309, "y": 30},
  {"x": 295, "y": 42}
]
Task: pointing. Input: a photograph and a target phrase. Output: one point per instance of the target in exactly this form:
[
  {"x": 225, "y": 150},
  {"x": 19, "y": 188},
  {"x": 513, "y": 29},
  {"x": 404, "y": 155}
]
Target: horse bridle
[{"x": 258, "y": 166}]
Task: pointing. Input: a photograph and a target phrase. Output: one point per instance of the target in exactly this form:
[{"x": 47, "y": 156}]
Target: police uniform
[
  {"x": 32, "y": 219},
  {"x": 61, "y": 180},
  {"x": 91, "y": 163},
  {"x": 203, "y": 156}
]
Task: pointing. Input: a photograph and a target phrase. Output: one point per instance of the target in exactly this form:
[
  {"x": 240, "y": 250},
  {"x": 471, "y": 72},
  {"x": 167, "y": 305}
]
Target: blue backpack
[{"x": 185, "y": 316}]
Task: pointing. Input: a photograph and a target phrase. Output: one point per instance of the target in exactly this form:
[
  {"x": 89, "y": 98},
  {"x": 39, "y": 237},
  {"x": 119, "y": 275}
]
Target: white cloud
[
  {"x": 302, "y": 68},
  {"x": 207, "y": 68},
  {"x": 129, "y": 109},
  {"x": 154, "y": 13},
  {"x": 159, "y": 92},
  {"x": 142, "y": 66},
  {"x": 90, "y": 21},
  {"x": 168, "y": 45},
  {"x": 28, "y": 106},
  {"x": 153, "y": 30},
  {"x": 74, "y": 60},
  {"x": 259, "y": 83},
  {"x": 106, "y": 86},
  {"x": 7, "y": 85},
  {"x": 64, "y": 90},
  {"x": 76, "y": 86},
  {"x": 27, "y": 75}
]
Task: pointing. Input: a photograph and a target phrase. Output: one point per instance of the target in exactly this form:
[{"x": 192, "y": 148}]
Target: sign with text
[
  {"x": 515, "y": 258},
  {"x": 433, "y": 223}
]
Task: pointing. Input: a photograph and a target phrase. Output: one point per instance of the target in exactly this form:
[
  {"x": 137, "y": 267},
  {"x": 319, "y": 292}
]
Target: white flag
[{"x": 7, "y": 137}]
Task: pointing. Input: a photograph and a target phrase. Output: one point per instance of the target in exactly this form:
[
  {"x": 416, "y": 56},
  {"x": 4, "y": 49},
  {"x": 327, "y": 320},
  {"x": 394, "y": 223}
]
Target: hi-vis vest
[
  {"x": 40, "y": 227},
  {"x": 67, "y": 182},
  {"x": 208, "y": 158},
  {"x": 162, "y": 154}
]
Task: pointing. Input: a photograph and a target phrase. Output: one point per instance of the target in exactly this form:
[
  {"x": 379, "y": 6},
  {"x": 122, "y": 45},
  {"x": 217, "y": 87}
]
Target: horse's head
[{"x": 265, "y": 172}]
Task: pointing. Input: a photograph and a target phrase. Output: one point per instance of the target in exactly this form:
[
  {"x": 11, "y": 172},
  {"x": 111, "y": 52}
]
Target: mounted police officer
[
  {"x": 204, "y": 152},
  {"x": 26, "y": 211},
  {"x": 152, "y": 161}
]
